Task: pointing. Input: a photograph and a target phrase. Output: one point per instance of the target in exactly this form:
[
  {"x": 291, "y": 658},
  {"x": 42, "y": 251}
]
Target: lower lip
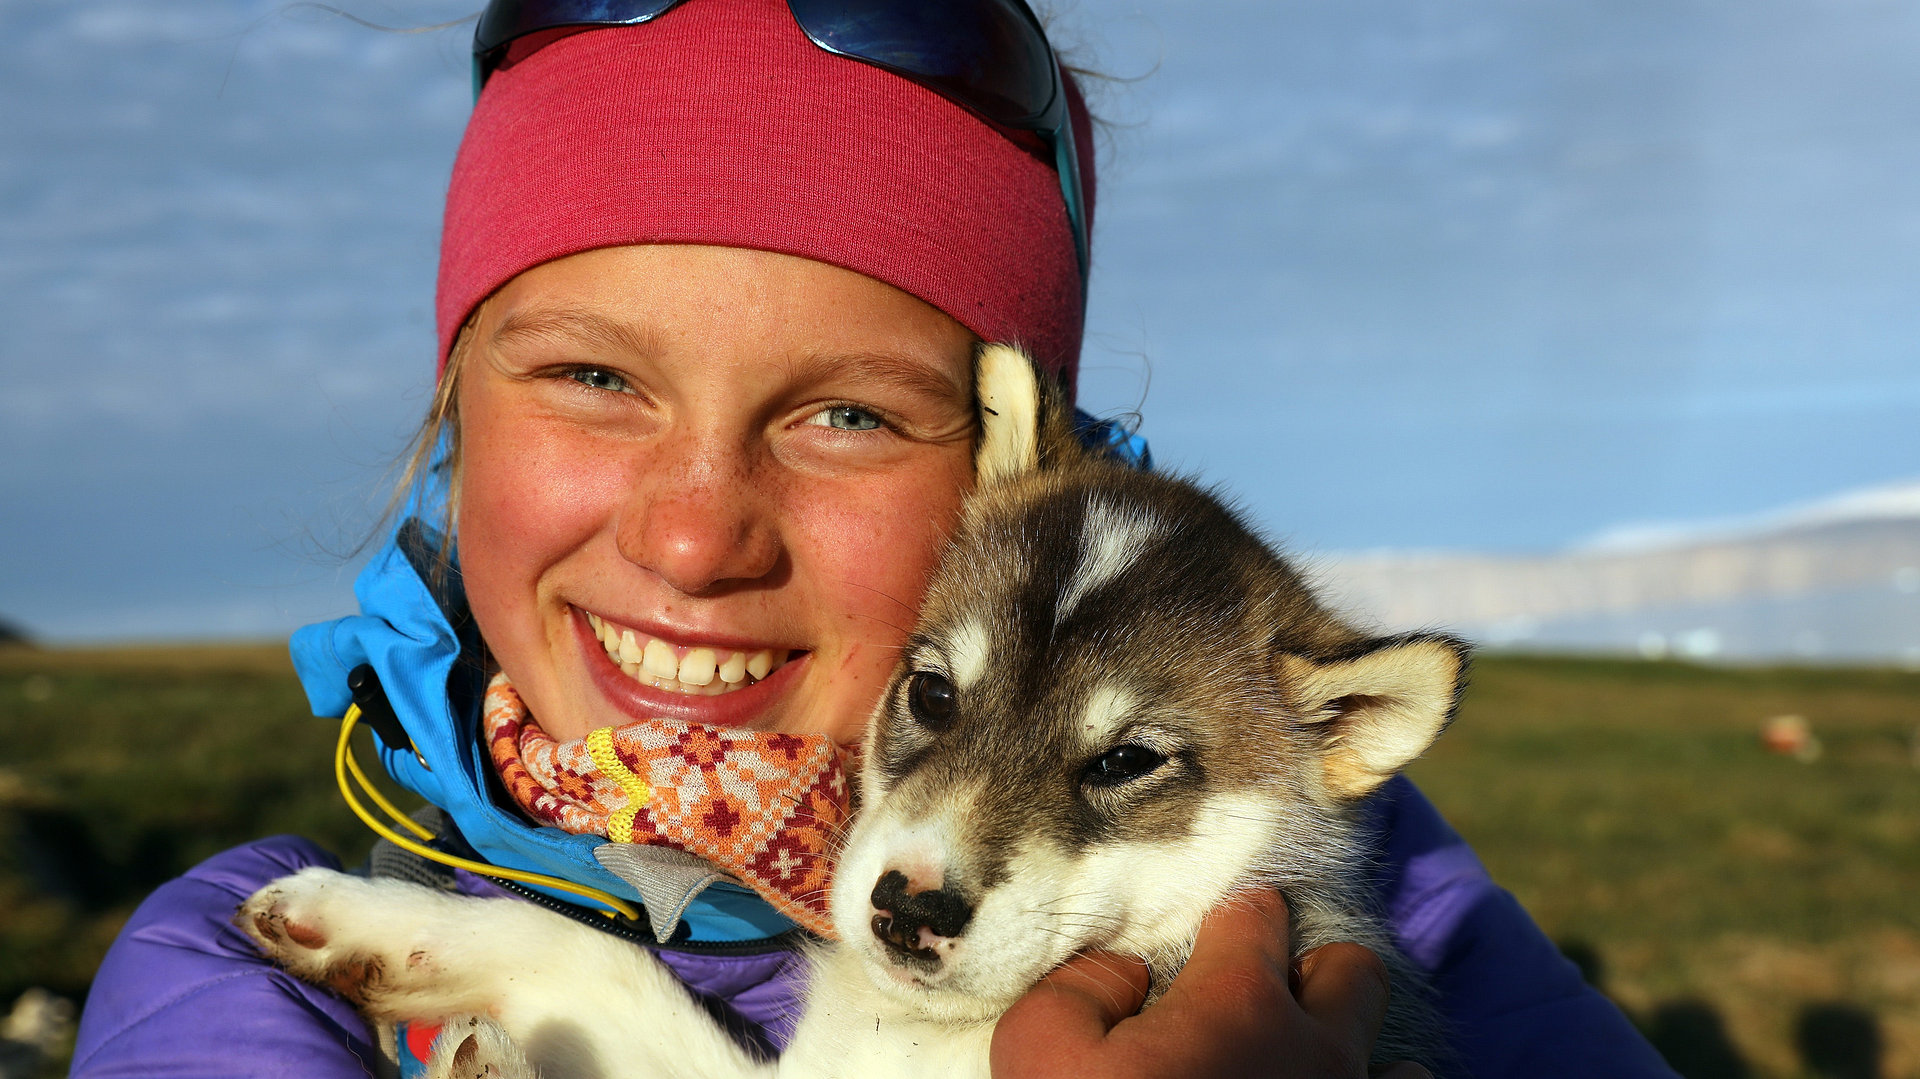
[
  {"x": 747, "y": 707},
  {"x": 928, "y": 982}
]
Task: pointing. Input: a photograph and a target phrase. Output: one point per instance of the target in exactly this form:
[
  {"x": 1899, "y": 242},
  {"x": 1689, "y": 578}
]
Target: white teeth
[
  {"x": 697, "y": 667},
  {"x": 659, "y": 660},
  {"x": 701, "y": 672}
]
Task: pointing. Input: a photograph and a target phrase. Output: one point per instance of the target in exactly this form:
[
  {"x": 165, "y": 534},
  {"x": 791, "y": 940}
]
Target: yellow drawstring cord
[
  {"x": 344, "y": 764},
  {"x": 620, "y": 821}
]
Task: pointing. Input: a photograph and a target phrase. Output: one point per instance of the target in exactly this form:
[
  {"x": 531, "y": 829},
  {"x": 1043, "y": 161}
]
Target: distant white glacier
[{"x": 1835, "y": 581}]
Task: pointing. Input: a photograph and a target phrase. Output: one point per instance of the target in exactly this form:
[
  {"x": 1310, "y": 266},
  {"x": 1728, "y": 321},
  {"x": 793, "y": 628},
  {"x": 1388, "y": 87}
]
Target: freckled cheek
[
  {"x": 881, "y": 543},
  {"x": 526, "y": 503},
  {"x": 874, "y": 555}
]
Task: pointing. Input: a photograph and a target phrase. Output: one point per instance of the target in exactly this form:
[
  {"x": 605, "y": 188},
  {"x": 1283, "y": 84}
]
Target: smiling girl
[
  {"x": 777, "y": 448},
  {"x": 711, "y": 282}
]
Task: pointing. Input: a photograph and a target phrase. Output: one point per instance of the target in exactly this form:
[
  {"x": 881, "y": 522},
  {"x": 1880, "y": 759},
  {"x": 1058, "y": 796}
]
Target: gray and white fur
[{"x": 1119, "y": 708}]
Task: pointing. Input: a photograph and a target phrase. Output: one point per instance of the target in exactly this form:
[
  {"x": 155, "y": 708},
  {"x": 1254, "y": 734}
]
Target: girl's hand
[{"x": 1233, "y": 1010}]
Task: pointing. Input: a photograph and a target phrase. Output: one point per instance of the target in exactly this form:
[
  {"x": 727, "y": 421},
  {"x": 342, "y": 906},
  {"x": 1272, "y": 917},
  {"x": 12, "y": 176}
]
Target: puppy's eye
[
  {"x": 1121, "y": 764},
  {"x": 931, "y": 699}
]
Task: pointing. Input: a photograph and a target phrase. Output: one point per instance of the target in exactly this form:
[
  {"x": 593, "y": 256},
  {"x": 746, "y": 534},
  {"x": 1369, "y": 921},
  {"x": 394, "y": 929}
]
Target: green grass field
[
  {"x": 1720, "y": 888},
  {"x": 1758, "y": 915}
]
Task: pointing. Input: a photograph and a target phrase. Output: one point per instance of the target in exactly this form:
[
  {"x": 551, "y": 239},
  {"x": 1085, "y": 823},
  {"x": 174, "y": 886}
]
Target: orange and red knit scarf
[{"x": 765, "y": 808}]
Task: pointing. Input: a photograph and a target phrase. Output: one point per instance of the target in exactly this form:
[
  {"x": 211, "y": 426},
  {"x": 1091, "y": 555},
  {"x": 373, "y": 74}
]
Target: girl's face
[{"x": 682, "y": 467}]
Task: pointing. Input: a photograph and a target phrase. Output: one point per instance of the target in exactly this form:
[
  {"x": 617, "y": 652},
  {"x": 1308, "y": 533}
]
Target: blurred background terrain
[{"x": 1585, "y": 329}]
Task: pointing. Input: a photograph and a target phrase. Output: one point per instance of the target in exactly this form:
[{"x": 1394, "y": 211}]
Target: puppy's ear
[
  {"x": 1379, "y": 706},
  {"x": 1024, "y": 423},
  {"x": 1008, "y": 390}
]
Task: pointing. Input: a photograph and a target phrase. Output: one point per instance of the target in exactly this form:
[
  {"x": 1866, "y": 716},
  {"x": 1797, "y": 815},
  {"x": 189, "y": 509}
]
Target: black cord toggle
[{"x": 372, "y": 701}]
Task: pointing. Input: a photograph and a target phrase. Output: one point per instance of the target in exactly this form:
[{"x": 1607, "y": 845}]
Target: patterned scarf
[{"x": 767, "y": 809}]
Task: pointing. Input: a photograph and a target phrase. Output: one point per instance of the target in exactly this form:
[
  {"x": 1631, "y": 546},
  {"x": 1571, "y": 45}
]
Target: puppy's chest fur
[{"x": 1119, "y": 707}]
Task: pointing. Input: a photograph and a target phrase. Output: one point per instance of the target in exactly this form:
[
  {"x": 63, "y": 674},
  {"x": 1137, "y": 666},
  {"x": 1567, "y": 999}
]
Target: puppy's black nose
[{"x": 901, "y": 916}]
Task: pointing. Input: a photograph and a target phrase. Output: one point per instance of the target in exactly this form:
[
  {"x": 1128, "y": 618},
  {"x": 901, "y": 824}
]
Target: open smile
[
  {"x": 727, "y": 683},
  {"x": 692, "y": 669}
]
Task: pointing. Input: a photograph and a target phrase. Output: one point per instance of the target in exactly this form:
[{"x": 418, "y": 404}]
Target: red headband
[{"x": 720, "y": 123}]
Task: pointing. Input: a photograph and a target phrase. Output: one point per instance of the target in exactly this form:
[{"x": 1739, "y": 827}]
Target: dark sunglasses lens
[
  {"x": 505, "y": 20},
  {"x": 989, "y": 55}
]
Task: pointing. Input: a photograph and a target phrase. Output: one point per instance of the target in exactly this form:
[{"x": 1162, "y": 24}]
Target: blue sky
[{"x": 1491, "y": 273}]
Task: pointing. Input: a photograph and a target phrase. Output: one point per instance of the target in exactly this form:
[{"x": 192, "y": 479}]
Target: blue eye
[
  {"x": 848, "y": 418},
  {"x": 598, "y": 378}
]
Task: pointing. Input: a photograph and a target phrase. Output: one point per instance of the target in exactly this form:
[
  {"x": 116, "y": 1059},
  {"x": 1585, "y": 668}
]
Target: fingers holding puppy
[{"x": 1238, "y": 1008}]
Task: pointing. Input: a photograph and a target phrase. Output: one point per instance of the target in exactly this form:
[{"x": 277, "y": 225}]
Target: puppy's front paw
[
  {"x": 470, "y": 1047},
  {"x": 321, "y": 926}
]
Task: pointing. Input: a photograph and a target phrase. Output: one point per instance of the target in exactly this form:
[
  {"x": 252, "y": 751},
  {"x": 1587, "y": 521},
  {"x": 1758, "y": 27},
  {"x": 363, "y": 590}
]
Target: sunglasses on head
[{"x": 989, "y": 56}]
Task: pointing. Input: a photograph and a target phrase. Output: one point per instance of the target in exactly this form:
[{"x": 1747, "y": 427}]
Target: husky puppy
[{"x": 1119, "y": 708}]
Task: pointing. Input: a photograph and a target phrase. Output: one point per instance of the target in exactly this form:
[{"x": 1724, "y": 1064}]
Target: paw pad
[{"x": 304, "y": 937}]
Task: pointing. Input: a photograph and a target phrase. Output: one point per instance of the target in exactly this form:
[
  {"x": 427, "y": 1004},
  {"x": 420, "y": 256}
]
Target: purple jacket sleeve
[
  {"x": 183, "y": 993},
  {"x": 1517, "y": 1007}
]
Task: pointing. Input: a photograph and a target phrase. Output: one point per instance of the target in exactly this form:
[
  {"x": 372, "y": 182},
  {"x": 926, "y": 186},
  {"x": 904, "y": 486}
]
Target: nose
[
  {"x": 698, "y": 517},
  {"x": 922, "y": 924}
]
